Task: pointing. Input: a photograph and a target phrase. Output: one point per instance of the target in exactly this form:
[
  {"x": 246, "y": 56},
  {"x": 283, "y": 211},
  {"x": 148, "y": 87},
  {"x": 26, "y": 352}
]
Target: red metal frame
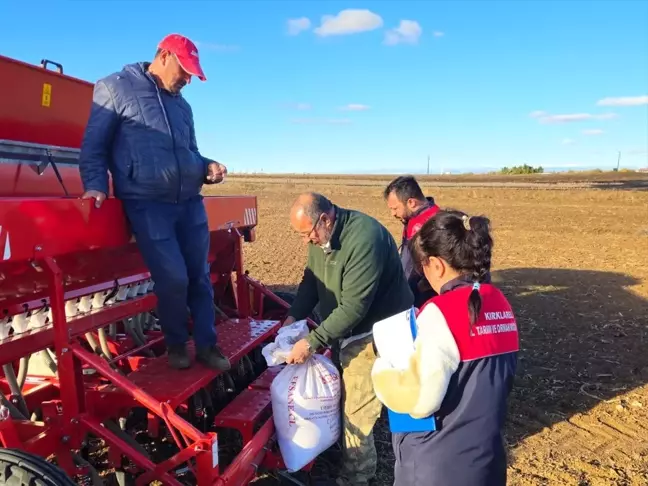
[
  {"x": 59, "y": 253},
  {"x": 74, "y": 412},
  {"x": 41, "y": 105}
]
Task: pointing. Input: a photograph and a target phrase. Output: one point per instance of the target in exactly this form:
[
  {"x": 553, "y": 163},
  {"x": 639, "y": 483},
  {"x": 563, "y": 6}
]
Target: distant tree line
[{"x": 522, "y": 169}]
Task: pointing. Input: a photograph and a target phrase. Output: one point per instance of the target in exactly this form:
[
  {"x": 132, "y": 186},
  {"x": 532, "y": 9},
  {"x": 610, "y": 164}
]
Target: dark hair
[
  {"x": 405, "y": 187},
  {"x": 319, "y": 204},
  {"x": 461, "y": 240}
]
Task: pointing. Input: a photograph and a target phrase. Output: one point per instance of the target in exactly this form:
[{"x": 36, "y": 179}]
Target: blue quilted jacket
[{"x": 144, "y": 136}]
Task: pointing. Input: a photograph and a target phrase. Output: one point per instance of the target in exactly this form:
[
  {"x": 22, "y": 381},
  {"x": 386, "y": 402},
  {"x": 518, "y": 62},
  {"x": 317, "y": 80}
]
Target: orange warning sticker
[{"x": 47, "y": 95}]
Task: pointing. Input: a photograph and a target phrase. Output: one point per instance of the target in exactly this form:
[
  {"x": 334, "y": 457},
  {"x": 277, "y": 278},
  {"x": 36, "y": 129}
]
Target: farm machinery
[{"x": 86, "y": 393}]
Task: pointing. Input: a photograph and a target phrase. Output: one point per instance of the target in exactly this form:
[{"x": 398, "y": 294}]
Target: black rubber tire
[{"x": 19, "y": 468}]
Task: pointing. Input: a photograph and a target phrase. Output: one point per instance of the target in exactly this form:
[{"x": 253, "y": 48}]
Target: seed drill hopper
[{"x": 86, "y": 391}]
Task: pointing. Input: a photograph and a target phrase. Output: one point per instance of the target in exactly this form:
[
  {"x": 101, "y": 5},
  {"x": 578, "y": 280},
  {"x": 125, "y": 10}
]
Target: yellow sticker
[{"x": 47, "y": 95}]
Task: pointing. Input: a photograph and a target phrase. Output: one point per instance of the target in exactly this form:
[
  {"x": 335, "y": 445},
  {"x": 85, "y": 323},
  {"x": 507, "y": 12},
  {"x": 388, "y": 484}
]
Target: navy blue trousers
[
  {"x": 174, "y": 242},
  {"x": 423, "y": 461}
]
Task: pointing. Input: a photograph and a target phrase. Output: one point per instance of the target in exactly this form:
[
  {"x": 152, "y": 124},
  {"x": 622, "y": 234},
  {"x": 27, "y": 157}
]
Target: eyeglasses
[{"x": 317, "y": 222}]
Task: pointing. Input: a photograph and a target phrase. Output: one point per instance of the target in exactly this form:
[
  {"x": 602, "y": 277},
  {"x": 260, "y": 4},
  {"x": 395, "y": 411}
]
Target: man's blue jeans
[{"x": 174, "y": 242}]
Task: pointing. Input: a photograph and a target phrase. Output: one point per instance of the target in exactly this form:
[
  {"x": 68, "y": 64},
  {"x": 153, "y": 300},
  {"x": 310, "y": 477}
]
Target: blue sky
[{"x": 378, "y": 86}]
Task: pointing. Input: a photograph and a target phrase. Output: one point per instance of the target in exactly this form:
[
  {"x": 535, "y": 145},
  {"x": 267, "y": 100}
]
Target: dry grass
[{"x": 574, "y": 265}]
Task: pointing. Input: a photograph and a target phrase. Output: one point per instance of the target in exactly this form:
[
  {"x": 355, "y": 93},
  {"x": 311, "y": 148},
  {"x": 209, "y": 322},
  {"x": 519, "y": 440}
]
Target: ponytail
[
  {"x": 464, "y": 242},
  {"x": 479, "y": 241},
  {"x": 474, "y": 304}
]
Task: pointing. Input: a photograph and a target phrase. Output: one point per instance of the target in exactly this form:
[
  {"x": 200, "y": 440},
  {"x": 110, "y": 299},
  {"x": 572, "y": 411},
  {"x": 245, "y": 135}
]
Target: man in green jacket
[{"x": 355, "y": 274}]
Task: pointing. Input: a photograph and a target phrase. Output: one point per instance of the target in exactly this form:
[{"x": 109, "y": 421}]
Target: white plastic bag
[
  {"x": 276, "y": 352},
  {"x": 306, "y": 410}
]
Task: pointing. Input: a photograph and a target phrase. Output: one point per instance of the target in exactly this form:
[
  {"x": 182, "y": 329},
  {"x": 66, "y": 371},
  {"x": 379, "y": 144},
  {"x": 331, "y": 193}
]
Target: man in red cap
[
  {"x": 141, "y": 130},
  {"x": 175, "y": 62}
]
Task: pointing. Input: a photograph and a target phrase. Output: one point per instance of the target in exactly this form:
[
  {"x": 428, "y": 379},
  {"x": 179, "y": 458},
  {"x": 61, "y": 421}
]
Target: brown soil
[
  {"x": 574, "y": 265},
  {"x": 596, "y": 179}
]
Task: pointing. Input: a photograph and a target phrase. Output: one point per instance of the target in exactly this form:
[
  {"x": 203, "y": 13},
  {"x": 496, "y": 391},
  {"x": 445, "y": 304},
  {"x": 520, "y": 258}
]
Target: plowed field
[{"x": 574, "y": 263}]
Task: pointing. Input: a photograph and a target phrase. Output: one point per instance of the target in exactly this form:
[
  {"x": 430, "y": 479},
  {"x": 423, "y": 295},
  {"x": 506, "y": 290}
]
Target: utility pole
[
  {"x": 618, "y": 161},
  {"x": 428, "y": 167}
]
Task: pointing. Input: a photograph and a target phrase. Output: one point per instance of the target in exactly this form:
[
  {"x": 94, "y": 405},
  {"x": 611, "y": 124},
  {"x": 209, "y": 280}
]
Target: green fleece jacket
[{"x": 357, "y": 282}]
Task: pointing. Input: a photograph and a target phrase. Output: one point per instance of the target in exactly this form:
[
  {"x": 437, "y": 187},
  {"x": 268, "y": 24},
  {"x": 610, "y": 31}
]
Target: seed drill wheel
[{"x": 18, "y": 468}]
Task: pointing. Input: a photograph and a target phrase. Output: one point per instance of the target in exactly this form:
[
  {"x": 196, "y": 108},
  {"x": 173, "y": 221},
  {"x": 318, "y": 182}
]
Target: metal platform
[
  {"x": 265, "y": 379},
  {"x": 245, "y": 412},
  {"x": 237, "y": 337}
]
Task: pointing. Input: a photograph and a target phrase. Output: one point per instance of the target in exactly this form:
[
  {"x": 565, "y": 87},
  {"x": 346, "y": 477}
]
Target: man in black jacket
[{"x": 407, "y": 203}]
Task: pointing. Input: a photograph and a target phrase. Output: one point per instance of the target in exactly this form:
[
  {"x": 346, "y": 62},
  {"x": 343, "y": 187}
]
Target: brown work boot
[
  {"x": 178, "y": 357},
  {"x": 212, "y": 357}
]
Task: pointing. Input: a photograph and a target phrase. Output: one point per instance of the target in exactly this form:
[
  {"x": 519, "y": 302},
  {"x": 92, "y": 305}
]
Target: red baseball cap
[{"x": 186, "y": 52}]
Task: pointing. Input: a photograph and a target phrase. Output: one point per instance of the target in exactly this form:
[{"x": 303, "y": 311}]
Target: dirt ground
[{"x": 574, "y": 263}]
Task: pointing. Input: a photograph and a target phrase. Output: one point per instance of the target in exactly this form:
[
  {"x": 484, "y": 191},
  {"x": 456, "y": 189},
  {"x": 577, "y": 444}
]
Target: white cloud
[
  {"x": 407, "y": 32},
  {"x": 349, "y": 21},
  {"x": 295, "y": 26},
  {"x": 546, "y": 118},
  {"x": 593, "y": 131},
  {"x": 568, "y": 141},
  {"x": 355, "y": 107},
  {"x": 438, "y": 33},
  {"x": 624, "y": 101}
]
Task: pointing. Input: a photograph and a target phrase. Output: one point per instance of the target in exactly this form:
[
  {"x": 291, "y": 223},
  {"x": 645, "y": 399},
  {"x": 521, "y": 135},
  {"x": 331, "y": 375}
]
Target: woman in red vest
[{"x": 447, "y": 409}]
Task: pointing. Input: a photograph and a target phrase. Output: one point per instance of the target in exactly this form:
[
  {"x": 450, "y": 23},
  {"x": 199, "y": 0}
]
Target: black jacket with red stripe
[{"x": 410, "y": 228}]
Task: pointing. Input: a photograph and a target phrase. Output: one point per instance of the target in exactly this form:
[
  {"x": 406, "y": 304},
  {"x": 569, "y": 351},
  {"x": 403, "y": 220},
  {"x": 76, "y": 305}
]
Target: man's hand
[
  {"x": 300, "y": 352},
  {"x": 216, "y": 172},
  {"x": 288, "y": 321},
  {"x": 98, "y": 196}
]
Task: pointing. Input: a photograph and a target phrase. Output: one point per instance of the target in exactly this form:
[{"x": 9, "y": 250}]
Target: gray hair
[{"x": 317, "y": 206}]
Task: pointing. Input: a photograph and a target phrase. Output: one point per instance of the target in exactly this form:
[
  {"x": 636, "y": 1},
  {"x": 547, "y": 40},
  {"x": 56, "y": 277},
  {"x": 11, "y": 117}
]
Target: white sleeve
[{"x": 437, "y": 358}]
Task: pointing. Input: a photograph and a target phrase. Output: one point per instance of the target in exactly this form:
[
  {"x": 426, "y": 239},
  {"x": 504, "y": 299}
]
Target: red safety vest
[
  {"x": 467, "y": 446},
  {"x": 417, "y": 220},
  {"x": 410, "y": 229},
  {"x": 495, "y": 331}
]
